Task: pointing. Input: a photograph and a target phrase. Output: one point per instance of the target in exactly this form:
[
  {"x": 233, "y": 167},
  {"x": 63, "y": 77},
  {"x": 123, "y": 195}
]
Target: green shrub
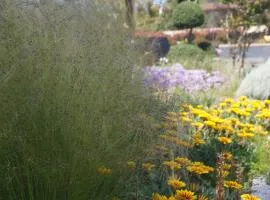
[
  {"x": 185, "y": 50},
  {"x": 70, "y": 102},
  {"x": 257, "y": 83},
  {"x": 190, "y": 56},
  {"x": 151, "y": 9},
  {"x": 188, "y": 15}
]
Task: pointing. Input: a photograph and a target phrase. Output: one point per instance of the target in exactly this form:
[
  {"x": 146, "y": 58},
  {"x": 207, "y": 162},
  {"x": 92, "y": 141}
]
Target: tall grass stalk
[{"x": 68, "y": 102}]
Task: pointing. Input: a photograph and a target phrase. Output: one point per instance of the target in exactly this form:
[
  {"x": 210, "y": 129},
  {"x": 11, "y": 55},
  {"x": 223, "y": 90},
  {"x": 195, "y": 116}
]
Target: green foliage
[
  {"x": 187, "y": 15},
  {"x": 175, "y": 2},
  {"x": 185, "y": 50},
  {"x": 190, "y": 56},
  {"x": 250, "y": 12},
  {"x": 268, "y": 178},
  {"x": 151, "y": 10},
  {"x": 257, "y": 83},
  {"x": 263, "y": 158},
  {"x": 247, "y": 14},
  {"x": 71, "y": 101}
]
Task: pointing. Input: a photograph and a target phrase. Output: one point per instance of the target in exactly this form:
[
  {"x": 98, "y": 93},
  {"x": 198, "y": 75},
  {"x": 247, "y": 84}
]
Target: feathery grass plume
[
  {"x": 70, "y": 100},
  {"x": 256, "y": 84}
]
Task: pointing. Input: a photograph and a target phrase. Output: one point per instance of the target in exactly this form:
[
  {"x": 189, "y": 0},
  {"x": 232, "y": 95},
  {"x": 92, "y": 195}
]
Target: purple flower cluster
[{"x": 165, "y": 78}]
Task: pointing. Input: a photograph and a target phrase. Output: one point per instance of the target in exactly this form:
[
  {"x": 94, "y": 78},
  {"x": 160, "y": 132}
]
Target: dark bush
[
  {"x": 160, "y": 47},
  {"x": 203, "y": 43}
]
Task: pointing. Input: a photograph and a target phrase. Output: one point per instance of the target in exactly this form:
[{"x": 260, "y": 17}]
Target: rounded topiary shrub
[
  {"x": 256, "y": 84},
  {"x": 188, "y": 15}
]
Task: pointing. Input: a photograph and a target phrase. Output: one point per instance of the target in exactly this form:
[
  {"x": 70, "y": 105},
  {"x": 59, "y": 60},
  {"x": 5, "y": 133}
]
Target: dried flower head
[{"x": 104, "y": 170}]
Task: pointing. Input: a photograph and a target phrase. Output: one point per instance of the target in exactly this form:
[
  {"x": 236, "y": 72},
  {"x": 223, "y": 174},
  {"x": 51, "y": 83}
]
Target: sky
[{"x": 159, "y": 1}]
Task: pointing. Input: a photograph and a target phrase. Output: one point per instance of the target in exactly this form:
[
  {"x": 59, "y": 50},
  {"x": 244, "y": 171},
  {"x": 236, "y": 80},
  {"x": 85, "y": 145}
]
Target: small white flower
[{"x": 166, "y": 60}]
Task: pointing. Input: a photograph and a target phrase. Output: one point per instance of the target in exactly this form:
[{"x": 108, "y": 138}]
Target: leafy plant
[
  {"x": 212, "y": 147},
  {"x": 185, "y": 50}
]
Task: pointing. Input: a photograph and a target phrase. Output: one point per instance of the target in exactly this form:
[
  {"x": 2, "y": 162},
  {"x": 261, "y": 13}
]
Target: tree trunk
[
  {"x": 190, "y": 38},
  {"x": 129, "y": 13},
  {"x": 232, "y": 51},
  {"x": 243, "y": 58},
  {"x": 245, "y": 47}
]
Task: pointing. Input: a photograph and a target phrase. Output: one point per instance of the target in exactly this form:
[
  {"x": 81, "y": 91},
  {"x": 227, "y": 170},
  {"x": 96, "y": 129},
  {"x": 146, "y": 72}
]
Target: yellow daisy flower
[
  {"x": 202, "y": 197},
  {"x": 233, "y": 185},
  {"x": 183, "y": 161},
  {"x": 147, "y": 166},
  {"x": 199, "y": 168},
  {"x": 172, "y": 165},
  {"x": 185, "y": 195},
  {"x": 227, "y": 155},
  {"x": 197, "y": 139},
  {"x": 175, "y": 183},
  {"x": 185, "y": 119},
  {"x": 249, "y": 197},
  {"x": 102, "y": 170},
  {"x": 131, "y": 164},
  {"x": 224, "y": 140},
  {"x": 243, "y": 98},
  {"x": 197, "y": 124},
  {"x": 157, "y": 196},
  {"x": 228, "y": 100},
  {"x": 210, "y": 123}
]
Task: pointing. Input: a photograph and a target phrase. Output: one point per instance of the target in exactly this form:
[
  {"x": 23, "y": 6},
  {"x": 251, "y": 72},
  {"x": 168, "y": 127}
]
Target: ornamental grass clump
[
  {"x": 213, "y": 147},
  {"x": 257, "y": 83},
  {"x": 72, "y": 108}
]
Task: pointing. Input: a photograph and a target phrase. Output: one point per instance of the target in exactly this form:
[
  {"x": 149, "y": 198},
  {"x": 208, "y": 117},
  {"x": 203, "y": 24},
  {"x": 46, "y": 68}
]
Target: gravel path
[{"x": 260, "y": 188}]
